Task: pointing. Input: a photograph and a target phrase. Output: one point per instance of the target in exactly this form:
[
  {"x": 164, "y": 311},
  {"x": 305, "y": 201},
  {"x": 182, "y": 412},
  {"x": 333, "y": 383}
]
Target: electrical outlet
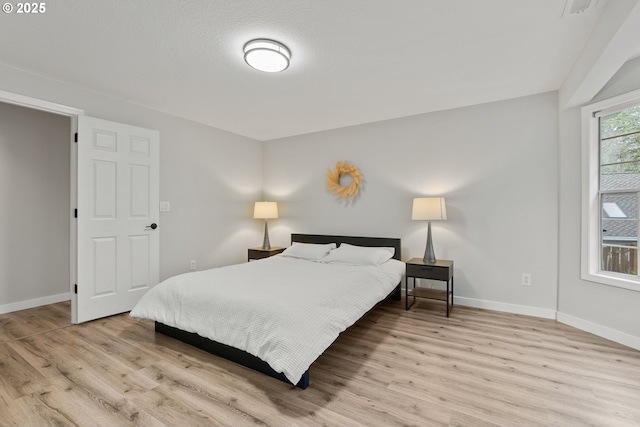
[
  {"x": 526, "y": 279},
  {"x": 192, "y": 265}
]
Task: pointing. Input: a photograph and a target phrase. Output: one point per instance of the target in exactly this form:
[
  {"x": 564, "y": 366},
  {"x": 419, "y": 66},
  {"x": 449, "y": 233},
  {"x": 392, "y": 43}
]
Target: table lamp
[
  {"x": 429, "y": 209},
  {"x": 265, "y": 210}
]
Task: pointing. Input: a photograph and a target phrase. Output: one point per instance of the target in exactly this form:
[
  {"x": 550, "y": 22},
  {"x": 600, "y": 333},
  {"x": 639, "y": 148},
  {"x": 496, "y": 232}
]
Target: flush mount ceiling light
[{"x": 267, "y": 55}]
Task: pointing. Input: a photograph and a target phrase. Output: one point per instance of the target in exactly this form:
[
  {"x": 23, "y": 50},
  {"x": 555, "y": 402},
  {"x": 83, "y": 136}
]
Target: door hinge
[
  {"x": 76, "y": 137},
  {"x": 75, "y": 289},
  {"x": 75, "y": 213}
]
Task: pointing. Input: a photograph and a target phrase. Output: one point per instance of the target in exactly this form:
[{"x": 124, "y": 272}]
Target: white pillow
[
  {"x": 359, "y": 255},
  {"x": 308, "y": 251}
]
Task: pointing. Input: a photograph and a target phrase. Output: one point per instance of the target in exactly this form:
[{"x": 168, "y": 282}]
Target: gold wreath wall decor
[{"x": 333, "y": 180}]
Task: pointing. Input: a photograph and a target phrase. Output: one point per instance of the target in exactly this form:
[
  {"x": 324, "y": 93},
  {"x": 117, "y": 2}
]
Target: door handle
[{"x": 152, "y": 226}]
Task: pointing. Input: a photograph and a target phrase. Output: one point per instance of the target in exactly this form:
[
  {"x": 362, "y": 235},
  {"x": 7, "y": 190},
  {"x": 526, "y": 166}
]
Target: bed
[{"x": 261, "y": 314}]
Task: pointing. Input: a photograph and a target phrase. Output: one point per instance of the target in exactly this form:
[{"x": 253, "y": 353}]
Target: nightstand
[
  {"x": 259, "y": 253},
  {"x": 442, "y": 270}
]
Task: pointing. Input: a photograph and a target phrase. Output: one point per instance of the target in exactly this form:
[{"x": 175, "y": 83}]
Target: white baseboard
[
  {"x": 526, "y": 310},
  {"x": 601, "y": 331},
  {"x": 37, "y": 302}
]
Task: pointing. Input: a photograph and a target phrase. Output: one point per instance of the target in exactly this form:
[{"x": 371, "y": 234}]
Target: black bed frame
[{"x": 245, "y": 359}]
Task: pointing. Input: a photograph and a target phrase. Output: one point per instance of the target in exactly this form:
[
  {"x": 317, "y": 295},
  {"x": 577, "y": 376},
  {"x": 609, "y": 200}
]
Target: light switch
[{"x": 165, "y": 207}]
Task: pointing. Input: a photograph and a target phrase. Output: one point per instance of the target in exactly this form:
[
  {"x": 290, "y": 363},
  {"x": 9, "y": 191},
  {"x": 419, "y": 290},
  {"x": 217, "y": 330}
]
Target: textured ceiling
[{"x": 353, "y": 61}]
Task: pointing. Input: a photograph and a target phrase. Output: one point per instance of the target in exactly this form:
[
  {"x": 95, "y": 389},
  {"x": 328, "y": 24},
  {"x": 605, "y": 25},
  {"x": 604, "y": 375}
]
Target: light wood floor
[{"x": 477, "y": 368}]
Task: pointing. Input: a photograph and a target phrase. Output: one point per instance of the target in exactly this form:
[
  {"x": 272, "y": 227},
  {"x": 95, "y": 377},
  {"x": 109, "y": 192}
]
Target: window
[{"x": 611, "y": 207}]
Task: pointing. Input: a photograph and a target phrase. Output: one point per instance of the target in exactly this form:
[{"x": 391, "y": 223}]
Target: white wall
[
  {"x": 496, "y": 164},
  {"x": 34, "y": 206},
  {"x": 211, "y": 177},
  {"x": 605, "y": 310}
]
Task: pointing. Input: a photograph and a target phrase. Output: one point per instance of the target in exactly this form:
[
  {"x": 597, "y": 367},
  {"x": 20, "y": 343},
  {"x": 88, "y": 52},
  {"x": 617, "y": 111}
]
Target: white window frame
[{"x": 591, "y": 211}]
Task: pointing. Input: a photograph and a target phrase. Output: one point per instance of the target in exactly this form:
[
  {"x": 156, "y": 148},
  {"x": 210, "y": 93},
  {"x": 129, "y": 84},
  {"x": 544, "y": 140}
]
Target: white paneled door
[{"x": 118, "y": 232}]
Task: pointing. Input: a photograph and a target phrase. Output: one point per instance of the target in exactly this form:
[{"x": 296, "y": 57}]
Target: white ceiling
[{"x": 352, "y": 61}]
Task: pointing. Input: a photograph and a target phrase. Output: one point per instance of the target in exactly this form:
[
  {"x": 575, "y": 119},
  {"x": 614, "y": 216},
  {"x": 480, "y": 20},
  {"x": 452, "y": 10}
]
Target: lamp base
[
  {"x": 429, "y": 254},
  {"x": 265, "y": 241}
]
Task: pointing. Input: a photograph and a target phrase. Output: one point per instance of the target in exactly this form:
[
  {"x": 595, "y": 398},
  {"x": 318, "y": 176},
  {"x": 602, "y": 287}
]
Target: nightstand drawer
[
  {"x": 259, "y": 253},
  {"x": 433, "y": 272}
]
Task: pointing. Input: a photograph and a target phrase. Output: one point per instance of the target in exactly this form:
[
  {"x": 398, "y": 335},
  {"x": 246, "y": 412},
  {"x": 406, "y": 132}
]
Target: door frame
[{"x": 72, "y": 113}]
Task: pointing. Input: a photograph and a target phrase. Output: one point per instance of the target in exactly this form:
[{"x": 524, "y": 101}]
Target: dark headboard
[{"x": 358, "y": 241}]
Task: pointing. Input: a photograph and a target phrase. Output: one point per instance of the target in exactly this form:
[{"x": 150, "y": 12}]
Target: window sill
[{"x": 623, "y": 281}]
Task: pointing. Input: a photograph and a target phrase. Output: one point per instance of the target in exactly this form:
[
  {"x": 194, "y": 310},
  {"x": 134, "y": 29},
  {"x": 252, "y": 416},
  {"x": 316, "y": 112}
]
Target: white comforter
[{"x": 283, "y": 310}]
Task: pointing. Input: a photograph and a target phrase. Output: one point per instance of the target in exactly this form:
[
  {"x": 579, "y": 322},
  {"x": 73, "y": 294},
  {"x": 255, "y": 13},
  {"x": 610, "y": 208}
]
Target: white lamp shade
[
  {"x": 429, "y": 208},
  {"x": 265, "y": 210}
]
